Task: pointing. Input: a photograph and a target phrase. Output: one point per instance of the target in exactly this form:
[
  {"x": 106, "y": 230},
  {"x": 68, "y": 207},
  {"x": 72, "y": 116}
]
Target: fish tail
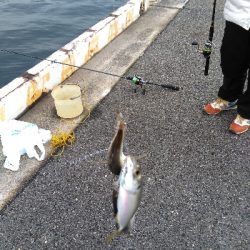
[
  {"x": 121, "y": 125},
  {"x": 115, "y": 152},
  {"x": 119, "y": 115},
  {"x": 120, "y": 121}
]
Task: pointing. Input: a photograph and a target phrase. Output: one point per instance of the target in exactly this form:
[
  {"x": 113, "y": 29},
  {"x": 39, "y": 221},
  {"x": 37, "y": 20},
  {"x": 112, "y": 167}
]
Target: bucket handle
[{"x": 77, "y": 84}]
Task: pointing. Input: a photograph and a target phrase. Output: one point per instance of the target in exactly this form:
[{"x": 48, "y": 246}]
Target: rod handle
[
  {"x": 207, "y": 66},
  {"x": 168, "y": 86}
]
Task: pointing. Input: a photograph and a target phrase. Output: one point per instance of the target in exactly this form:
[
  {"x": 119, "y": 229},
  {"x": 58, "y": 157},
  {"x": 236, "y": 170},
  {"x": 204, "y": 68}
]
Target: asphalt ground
[{"x": 196, "y": 173}]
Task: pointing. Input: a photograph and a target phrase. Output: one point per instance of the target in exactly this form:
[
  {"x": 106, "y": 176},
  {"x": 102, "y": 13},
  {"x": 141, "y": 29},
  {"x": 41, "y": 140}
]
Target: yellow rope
[{"x": 61, "y": 139}]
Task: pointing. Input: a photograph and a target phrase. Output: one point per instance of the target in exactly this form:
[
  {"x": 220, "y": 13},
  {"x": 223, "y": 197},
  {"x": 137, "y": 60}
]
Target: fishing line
[
  {"x": 54, "y": 61},
  {"x": 136, "y": 80}
]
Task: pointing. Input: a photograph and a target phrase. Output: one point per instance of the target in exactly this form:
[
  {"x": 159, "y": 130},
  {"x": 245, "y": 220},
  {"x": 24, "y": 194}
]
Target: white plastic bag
[{"x": 20, "y": 137}]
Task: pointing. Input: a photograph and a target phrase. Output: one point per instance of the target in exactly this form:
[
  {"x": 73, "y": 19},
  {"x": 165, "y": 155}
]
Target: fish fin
[
  {"x": 113, "y": 235},
  {"x": 131, "y": 223},
  {"x": 114, "y": 199},
  {"x": 116, "y": 223}
]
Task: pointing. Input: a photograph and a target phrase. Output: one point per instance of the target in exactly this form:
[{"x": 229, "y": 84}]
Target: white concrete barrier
[{"x": 23, "y": 91}]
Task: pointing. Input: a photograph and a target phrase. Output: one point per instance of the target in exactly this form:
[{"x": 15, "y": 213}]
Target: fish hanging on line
[
  {"x": 116, "y": 157},
  {"x": 127, "y": 189}
]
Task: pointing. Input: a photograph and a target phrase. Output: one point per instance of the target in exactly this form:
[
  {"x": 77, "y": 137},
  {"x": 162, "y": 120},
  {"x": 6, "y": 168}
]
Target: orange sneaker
[
  {"x": 239, "y": 125},
  {"x": 219, "y": 105}
]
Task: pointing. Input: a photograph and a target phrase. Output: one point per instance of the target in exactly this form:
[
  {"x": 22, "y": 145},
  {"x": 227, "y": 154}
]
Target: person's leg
[
  {"x": 242, "y": 121},
  {"x": 234, "y": 61},
  {"x": 232, "y": 87},
  {"x": 234, "y": 64},
  {"x": 244, "y": 102}
]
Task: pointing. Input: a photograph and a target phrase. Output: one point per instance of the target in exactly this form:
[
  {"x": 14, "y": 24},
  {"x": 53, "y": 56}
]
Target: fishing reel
[
  {"x": 137, "y": 81},
  {"x": 206, "y": 50}
]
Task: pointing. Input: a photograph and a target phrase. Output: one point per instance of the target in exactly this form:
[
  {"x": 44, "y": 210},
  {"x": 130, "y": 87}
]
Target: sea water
[{"x": 40, "y": 27}]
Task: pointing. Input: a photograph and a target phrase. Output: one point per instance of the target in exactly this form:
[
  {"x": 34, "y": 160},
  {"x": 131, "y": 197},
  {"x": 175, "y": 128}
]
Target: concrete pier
[{"x": 196, "y": 173}]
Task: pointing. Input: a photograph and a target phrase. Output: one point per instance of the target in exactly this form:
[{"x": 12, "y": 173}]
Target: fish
[
  {"x": 116, "y": 156},
  {"x": 129, "y": 195},
  {"x": 130, "y": 190}
]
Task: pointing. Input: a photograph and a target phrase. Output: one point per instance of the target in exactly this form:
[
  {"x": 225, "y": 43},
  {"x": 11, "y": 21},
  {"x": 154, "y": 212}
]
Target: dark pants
[{"x": 235, "y": 64}]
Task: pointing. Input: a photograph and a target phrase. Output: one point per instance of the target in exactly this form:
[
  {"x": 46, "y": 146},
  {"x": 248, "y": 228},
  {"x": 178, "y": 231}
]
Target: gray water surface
[{"x": 40, "y": 27}]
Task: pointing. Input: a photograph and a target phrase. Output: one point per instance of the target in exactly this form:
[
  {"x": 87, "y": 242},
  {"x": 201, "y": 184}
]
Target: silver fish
[
  {"x": 130, "y": 190},
  {"x": 129, "y": 195},
  {"x": 116, "y": 157}
]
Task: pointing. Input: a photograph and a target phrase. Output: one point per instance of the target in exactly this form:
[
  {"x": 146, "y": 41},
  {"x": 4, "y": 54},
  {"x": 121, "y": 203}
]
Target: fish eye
[{"x": 137, "y": 172}]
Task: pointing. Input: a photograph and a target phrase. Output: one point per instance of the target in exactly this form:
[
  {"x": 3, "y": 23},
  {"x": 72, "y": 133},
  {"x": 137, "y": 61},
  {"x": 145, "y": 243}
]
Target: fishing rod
[
  {"x": 207, "y": 49},
  {"x": 135, "y": 80}
]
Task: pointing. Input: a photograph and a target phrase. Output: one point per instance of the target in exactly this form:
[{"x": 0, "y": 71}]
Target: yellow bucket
[{"x": 68, "y": 100}]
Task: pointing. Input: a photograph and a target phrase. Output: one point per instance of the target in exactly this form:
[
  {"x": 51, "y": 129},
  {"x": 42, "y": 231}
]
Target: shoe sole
[
  {"x": 238, "y": 133},
  {"x": 231, "y": 108}
]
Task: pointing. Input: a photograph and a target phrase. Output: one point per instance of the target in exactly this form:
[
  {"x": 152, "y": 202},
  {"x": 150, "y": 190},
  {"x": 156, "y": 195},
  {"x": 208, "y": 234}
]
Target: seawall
[{"x": 25, "y": 90}]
